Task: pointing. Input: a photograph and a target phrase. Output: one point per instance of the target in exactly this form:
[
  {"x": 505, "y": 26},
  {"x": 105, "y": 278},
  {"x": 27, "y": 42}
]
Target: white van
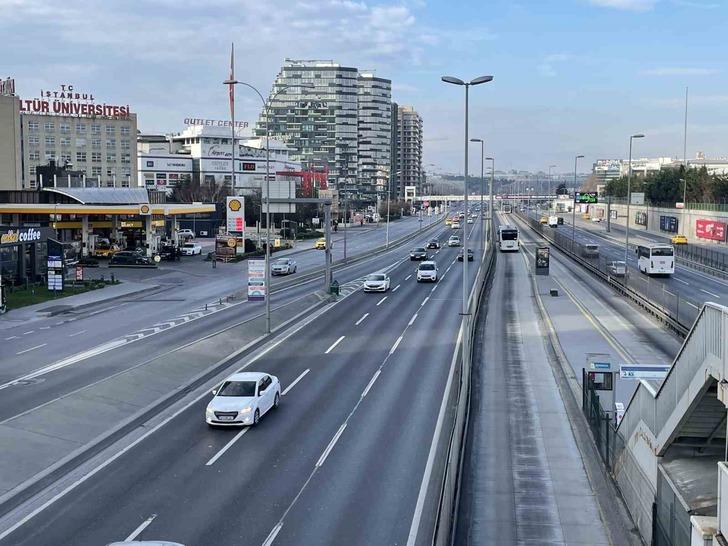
[{"x": 553, "y": 221}]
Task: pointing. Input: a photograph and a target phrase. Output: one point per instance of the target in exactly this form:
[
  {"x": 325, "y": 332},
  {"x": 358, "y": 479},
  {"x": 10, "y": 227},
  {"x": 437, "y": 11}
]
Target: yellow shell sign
[
  {"x": 145, "y": 210},
  {"x": 235, "y": 205}
]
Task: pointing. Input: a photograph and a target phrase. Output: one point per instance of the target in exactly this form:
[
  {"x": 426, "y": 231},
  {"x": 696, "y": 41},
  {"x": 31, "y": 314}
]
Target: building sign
[
  {"x": 640, "y": 218},
  {"x": 710, "y": 229},
  {"x": 668, "y": 223},
  {"x": 68, "y": 102},
  {"x": 542, "y": 260},
  {"x": 17, "y": 236},
  {"x": 216, "y": 123},
  {"x": 589, "y": 197},
  {"x": 637, "y": 198},
  {"x": 55, "y": 273},
  {"x": 256, "y": 279},
  {"x": 248, "y": 166},
  {"x": 235, "y": 215},
  {"x": 643, "y": 371},
  {"x": 7, "y": 86}
]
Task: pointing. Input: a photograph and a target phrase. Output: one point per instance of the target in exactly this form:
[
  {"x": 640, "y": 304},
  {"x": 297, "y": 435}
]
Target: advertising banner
[
  {"x": 256, "y": 279},
  {"x": 542, "y": 260},
  {"x": 588, "y": 197},
  {"x": 710, "y": 229},
  {"x": 668, "y": 223},
  {"x": 236, "y": 215},
  {"x": 55, "y": 273},
  {"x": 640, "y": 218},
  {"x": 638, "y": 198}
]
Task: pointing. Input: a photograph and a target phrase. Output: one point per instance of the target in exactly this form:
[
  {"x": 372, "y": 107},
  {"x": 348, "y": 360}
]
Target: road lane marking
[
  {"x": 26, "y": 333},
  {"x": 31, "y": 349},
  {"x": 227, "y": 446},
  {"x": 138, "y": 531},
  {"x": 77, "y": 333},
  {"x": 396, "y": 344},
  {"x": 380, "y": 302},
  {"x": 433, "y": 288},
  {"x": 710, "y": 293},
  {"x": 295, "y": 381},
  {"x": 371, "y": 382},
  {"x": 408, "y": 277},
  {"x": 358, "y": 322},
  {"x": 424, "y": 301},
  {"x": 45, "y": 328},
  {"x": 680, "y": 280},
  {"x": 395, "y": 288},
  {"x": 273, "y": 534},
  {"x": 412, "y": 320},
  {"x": 331, "y": 445},
  {"x": 692, "y": 305},
  {"x": 333, "y": 345},
  {"x": 11, "y": 337}
]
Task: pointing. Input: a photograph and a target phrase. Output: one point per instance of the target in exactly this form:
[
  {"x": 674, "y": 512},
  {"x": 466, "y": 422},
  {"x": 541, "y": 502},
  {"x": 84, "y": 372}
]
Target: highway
[{"x": 340, "y": 462}]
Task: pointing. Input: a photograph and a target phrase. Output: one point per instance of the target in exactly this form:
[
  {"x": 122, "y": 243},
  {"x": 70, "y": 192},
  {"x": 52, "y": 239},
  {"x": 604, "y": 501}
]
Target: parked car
[
  {"x": 129, "y": 258},
  {"x": 427, "y": 271},
  {"x": 617, "y": 268},
  {"x": 190, "y": 249},
  {"x": 470, "y": 255},
  {"x": 185, "y": 234},
  {"x": 283, "y": 266},
  {"x": 679, "y": 240},
  {"x": 376, "y": 282},
  {"x": 105, "y": 249},
  {"x": 242, "y": 399},
  {"x": 419, "y": 253}
]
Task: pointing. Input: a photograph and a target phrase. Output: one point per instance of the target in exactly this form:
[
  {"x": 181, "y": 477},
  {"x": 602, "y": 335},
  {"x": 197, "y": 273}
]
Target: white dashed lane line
[
  {"x": 77, "y": 333},
  {"x": 680, "y": 280},
  {"x": 138, "y": 531},
  {"x": 331, "y": 445},
  {"x": 31, "y": 349},
  {"x": 380, "y": 302},
  {"x": 227, "y": 446},
  {"x": 412, "y": 320},
  {"x": 396, "y": 288},
  {"x": 11, "y": 337},
  {"x": 408, "y": 277},
  {"x": 364, "y": 316},
  {"x": 710, "y": 293},
  {"x": 424, "y": 301},
  {"x": 334, "y": 344},
  {"x": 295, "y": 381}
]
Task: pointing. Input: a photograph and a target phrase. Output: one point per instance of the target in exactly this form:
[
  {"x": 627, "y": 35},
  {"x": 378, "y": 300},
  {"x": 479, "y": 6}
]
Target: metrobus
[
  {"x": 507, "y": 208},
  {"x": 507, "y": 238},
  {"x": 656, "y": 259}
]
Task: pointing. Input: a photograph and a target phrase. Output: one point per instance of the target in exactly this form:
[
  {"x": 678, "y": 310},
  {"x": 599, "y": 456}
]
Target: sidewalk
[{"x": 73, "y": 303}]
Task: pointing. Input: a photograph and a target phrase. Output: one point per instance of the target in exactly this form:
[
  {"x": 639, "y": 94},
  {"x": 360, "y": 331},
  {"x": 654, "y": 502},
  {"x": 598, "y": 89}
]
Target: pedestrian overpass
[{"x": 477, "y": 197}]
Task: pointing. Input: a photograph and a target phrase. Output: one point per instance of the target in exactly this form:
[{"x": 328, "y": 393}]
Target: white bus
[
  {"x": 656, "y": 259},
  {"x": 508, "y": 238}
]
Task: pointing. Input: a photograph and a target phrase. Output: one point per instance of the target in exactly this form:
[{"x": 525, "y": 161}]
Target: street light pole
[
  {"x": 482, "y": 186},
  {"x": 458, "y": 81},
  {"x": 490, "y": 199},
  {"x": 629, "y": 197},
  {"x": 573, "y": 206}
]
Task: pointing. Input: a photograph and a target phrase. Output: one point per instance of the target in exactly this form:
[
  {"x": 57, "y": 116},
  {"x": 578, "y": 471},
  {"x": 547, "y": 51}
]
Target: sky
[{"x": 570, "y": 76}]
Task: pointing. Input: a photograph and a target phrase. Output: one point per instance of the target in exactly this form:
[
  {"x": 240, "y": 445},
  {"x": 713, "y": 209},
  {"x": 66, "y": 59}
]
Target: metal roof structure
[{"x": 104, "y": 196}]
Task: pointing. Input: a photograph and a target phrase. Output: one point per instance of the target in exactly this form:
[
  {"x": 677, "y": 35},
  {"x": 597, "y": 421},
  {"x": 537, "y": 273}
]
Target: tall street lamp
[
  {"x": 458, "y": 81},
  {"x": 573, "y": 206},
  {"x": 629, "y": 194},
  {"x": 490, "y": 198},
  {"x": 482, "y": 186},
  {"x": 230, "y": 82},
  {"x": 550, "y": 179}
]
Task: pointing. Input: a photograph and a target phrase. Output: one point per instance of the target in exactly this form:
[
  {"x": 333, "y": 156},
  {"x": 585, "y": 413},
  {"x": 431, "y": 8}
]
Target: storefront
[{"x": 23, "y": 253}]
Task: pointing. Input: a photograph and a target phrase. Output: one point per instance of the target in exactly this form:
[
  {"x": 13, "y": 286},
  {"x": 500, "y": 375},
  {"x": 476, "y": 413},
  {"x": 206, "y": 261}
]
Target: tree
[
  {"x": 188, "y": 191},
  {"x": 562, "y": 189}
]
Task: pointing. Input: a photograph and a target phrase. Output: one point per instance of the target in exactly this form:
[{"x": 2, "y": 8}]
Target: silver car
[
  {"x": 283, "y": 266},
  {"x": 376, "y": 282},
  {"x": 617, "y": 268}
]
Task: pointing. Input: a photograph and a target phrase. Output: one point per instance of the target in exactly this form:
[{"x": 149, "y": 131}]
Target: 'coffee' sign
[{"x": 15, "y": 236}]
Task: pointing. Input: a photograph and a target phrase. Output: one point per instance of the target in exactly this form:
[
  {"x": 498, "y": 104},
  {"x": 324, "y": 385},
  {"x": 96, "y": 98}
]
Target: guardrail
[
  {"x": 656, "y": 301},
  {"x": 460, "y": 395}
]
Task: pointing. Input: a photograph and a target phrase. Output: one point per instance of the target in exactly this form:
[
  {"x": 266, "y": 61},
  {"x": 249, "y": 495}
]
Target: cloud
[
  {"x": 696, "y": 5},
  {"x": 547, "y": 69},
  {"x": 680, "y": 71},
  {"x": 404, "y": 88},
  {"x": 629, "y": 5}
]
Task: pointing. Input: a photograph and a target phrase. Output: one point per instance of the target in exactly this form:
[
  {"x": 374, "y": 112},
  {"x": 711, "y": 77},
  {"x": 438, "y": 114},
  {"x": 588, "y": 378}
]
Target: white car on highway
[
  {"x": 454, "y": 240},
  {"x": 190, "y": 249},
  {"x": 376, "y": 282},
  {"x": 243, "y": 398},
  {"x": 283, "y": 266},
  {"x": 427, "y": 271}
]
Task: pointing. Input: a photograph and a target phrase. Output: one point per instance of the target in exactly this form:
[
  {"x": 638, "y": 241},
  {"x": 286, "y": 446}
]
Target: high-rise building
[
  {"x": 374, "y": 135},
  {"x": 394, "y": 152},
  {"x": 409, "y": 150}
]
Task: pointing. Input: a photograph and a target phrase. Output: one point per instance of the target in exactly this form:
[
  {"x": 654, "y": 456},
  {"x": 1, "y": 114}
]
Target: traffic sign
[{"x": 643, "y": 371}]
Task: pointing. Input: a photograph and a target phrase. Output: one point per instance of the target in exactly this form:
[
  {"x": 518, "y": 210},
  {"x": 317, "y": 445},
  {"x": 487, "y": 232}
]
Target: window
[
  {"x": 111, "y": 143},
  {"x": 95, "y": 129},
  {"x": 109, "y": 172},
  {"x": 81, "y": 129},
  {"x": 32, "y": 169},
  {"x": 125, "y": 158},
  {"x": 125, "y": 145},
  {"x": 66, "y": 157},
  {"x": 110, "y": 182},
  {"x": 80, "y": 143},
  {"x": 64, "y": 128},
  {"x": 124, "y": 130},
  {"x": 33, "y": 140},
  {"x": 110, "y": 130},
  {"x": 49, "y": 126},
  {"x": 81, "y": 157},
  {"x": 95, "y": 171},
  {"x": 111, "y": 158},
  {"x": 50, "y": 141},
  {"x": 65, "y": 141},
  {"x": 34, "y": 155},
  {"x": 125, "y": 183},
  {"x": 33, "y": 126},
  {"x": 95, "y": 157},
  {"x": 96, "y": 143},
  {"x": 50, "y": 154}
]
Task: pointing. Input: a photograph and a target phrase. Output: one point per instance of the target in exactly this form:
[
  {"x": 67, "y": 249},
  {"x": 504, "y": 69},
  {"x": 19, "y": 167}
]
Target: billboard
[
  {"x": 640, "y": 218},
  {"x": 668, "y": 223},
  {"x": 235, "y": 209},
  {"x": 710, "y": 229},
  {"x": 256, "y": 279},
  {"x": 588, "y": 197}
]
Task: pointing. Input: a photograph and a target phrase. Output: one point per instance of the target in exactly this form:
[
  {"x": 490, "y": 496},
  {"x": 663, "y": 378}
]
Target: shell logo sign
[
  {"x": 235, "y": 205},
  {"x": 145, "y": 210},
  {"x": 236, "y": 215}
]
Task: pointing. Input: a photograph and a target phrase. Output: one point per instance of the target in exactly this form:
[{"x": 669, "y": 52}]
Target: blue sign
[
  {"x": 643, "y": 371},
  {"x": 601, "y": 366}
]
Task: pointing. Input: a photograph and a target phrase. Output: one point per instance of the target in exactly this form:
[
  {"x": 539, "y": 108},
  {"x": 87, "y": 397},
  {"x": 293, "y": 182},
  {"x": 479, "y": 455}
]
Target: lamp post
[
  {"x": 458, "y": 81},
  {"x": 490, "y": 198},
  {"x": 629, "y": 197},
  {"x": 230, "y": 82},
  {"x": 482, "y": 186},
  {"x": 573, "y": 206},
  {"x": 551, "y": 180}
]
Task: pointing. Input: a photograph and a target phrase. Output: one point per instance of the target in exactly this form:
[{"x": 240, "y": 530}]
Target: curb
[{"x": 42, "y": 313}]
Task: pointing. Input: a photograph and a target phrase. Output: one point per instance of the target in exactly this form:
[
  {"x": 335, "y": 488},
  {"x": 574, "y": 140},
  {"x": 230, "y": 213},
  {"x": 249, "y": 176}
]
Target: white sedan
[
  {"x": 242, "y": 399},
  {"x": 376, "y": 282},
  {"x": 190, "y": 249}
]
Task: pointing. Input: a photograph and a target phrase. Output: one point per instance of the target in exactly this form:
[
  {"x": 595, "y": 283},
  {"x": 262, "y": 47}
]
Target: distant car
[
  {"x": 427, "y": 271},
  {"x": 129, "y": 257},
  {"x": 190, "y": 249},
  {"x": 419, "y": 253},
  {"x": 376, "y": 282},
  {"x": 185, "y": 234},
  {"x": 448, "y": 221},
  {"x": 560, "y": 221},
  {"x": 455, "y": 224},
  {"x": 242, "y": 399},
  {"x": 470, "y": 255},
  {"x": 321, "y": 244},
  {"x": 617, "y": 268},
  {"x": 679, "y": 240},
  {"x": 553, "y": 221},
  {"x": 283, "y": 266},
  {"x": 543, "y": 220},
  {"x": 105, "y": 249},
  {"x": 454, "y": 240},
  {"x": 469, "y": 220},
  {"x": 590, "y": 250},
  {"x": 433, "y": 243},
  {"x": 596, "y": 219}
]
